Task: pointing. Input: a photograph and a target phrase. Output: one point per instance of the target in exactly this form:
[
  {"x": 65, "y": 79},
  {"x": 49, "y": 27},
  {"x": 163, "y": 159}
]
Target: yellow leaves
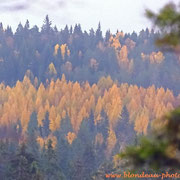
[
  {"x": 114, "y": 41},
  {"x": 123, "y": 56},
  {"x": 53, "y": 139},
  {"x": 64, "y": 50},
  {"x": 77, "y": 101},
  {"x": 113, "y": 111},
  {"x": 63, "y": 115},
  {"x": 56, "y": 47},
  {"x": 26, "y": 82},
  {"x": 113, "y": 106},
  {"x": 52, "y": 119},
  {"x": 63, "y": 78},
  {"x": 52, "y": 69},
  {"x": 132, "y": 109},
  {"x": 111, "y": 142},
  {"x": 71, "y": 136},
  {"x": 105, "y": 83},
  {"x": 141, "y": 122},
  {"x": 38, "y": 102},
  {"x": 44, "y": 142},
  {"x": 25, "y": 116},
  {"x": 35, "y": 82},
  {"x": 81, "y": 115},
  {"x": 41, "y": 115},
  {"x": 68, "y": 52},
  {"x": 40, "y": 141},
  {"x": 154, "y": 57},
  {"x": 58, "y": 121}
]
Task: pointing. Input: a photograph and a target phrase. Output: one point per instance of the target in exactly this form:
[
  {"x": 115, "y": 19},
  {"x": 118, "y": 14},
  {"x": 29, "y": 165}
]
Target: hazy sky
[{"x": 126, "y": 15}]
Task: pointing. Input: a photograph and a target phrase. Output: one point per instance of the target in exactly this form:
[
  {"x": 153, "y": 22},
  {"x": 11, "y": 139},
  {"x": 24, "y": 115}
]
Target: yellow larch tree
[
  {"x": 71, "y": 136},
  {"x": 113, "y": 106},
  {"x": 64, "y": 49},
  {"x": 141, "y": 122},
  {"x": 133, "y": 108},
  {"x": 25, "y": 117},
  {"x": 81, "y": 115},
  {"x": 52, "y": 118},
  {"x": 111, "y": 142},
  {"x": 169, "y": 97},
  {"x": 123, "y": 56},
  {"x": 36, "y": 82},
  {"x": 52, "y": 69},
  {"x": 56, "y": 47},
  {"x": 41, "y": 115}
]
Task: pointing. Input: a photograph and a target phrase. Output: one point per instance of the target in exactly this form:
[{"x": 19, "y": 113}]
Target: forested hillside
[
  {"x": 48, "y": 53},
  {"x": 70, "y": 100}
]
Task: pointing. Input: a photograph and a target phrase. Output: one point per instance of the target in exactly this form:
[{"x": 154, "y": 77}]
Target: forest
[{"x": 71, "y": 100}]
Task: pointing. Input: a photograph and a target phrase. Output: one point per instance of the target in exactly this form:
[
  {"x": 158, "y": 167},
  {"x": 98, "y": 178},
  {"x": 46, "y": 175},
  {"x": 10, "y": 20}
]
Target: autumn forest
[{"x": 70, "y": 99}]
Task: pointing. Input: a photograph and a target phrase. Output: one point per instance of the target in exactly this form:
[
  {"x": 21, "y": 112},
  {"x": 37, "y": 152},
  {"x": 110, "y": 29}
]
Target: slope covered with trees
[
  {"x": 78, "y": 120},
  {"x": 70, "y": 100},
  {"x": 49, "y": 52}
]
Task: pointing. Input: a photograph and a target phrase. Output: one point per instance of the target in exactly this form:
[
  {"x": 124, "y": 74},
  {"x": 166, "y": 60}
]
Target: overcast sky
[{"x": 125, "y": 15}]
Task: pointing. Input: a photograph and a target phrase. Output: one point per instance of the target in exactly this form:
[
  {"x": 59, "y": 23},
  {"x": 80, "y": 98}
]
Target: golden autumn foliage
[
  {"x": 142, "y": 121},
  {"x": 64, "y": 50},
  {"x": 154, "y": 57},
  {"x": 121, "y": 51},
  {"x": 123, "y": 55},
  {"x": 111, "y": 142},
  {"x": 52, "y": 69},
  {"x": 114, "y": 40},
  {"x": 43, "y": 142},
  {"x": 54, "y": 119},
  {"x": 56, "y": 47},
  {"x": 71, "y": 136},
  {"x": 77, "y": 101}
]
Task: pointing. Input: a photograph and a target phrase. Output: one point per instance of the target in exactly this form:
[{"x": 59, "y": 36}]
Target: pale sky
[{"x": 125, "y": 15}]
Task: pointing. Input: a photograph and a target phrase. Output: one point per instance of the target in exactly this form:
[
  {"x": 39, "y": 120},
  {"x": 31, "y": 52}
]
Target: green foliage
[{"x": 168, "y": 21}]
